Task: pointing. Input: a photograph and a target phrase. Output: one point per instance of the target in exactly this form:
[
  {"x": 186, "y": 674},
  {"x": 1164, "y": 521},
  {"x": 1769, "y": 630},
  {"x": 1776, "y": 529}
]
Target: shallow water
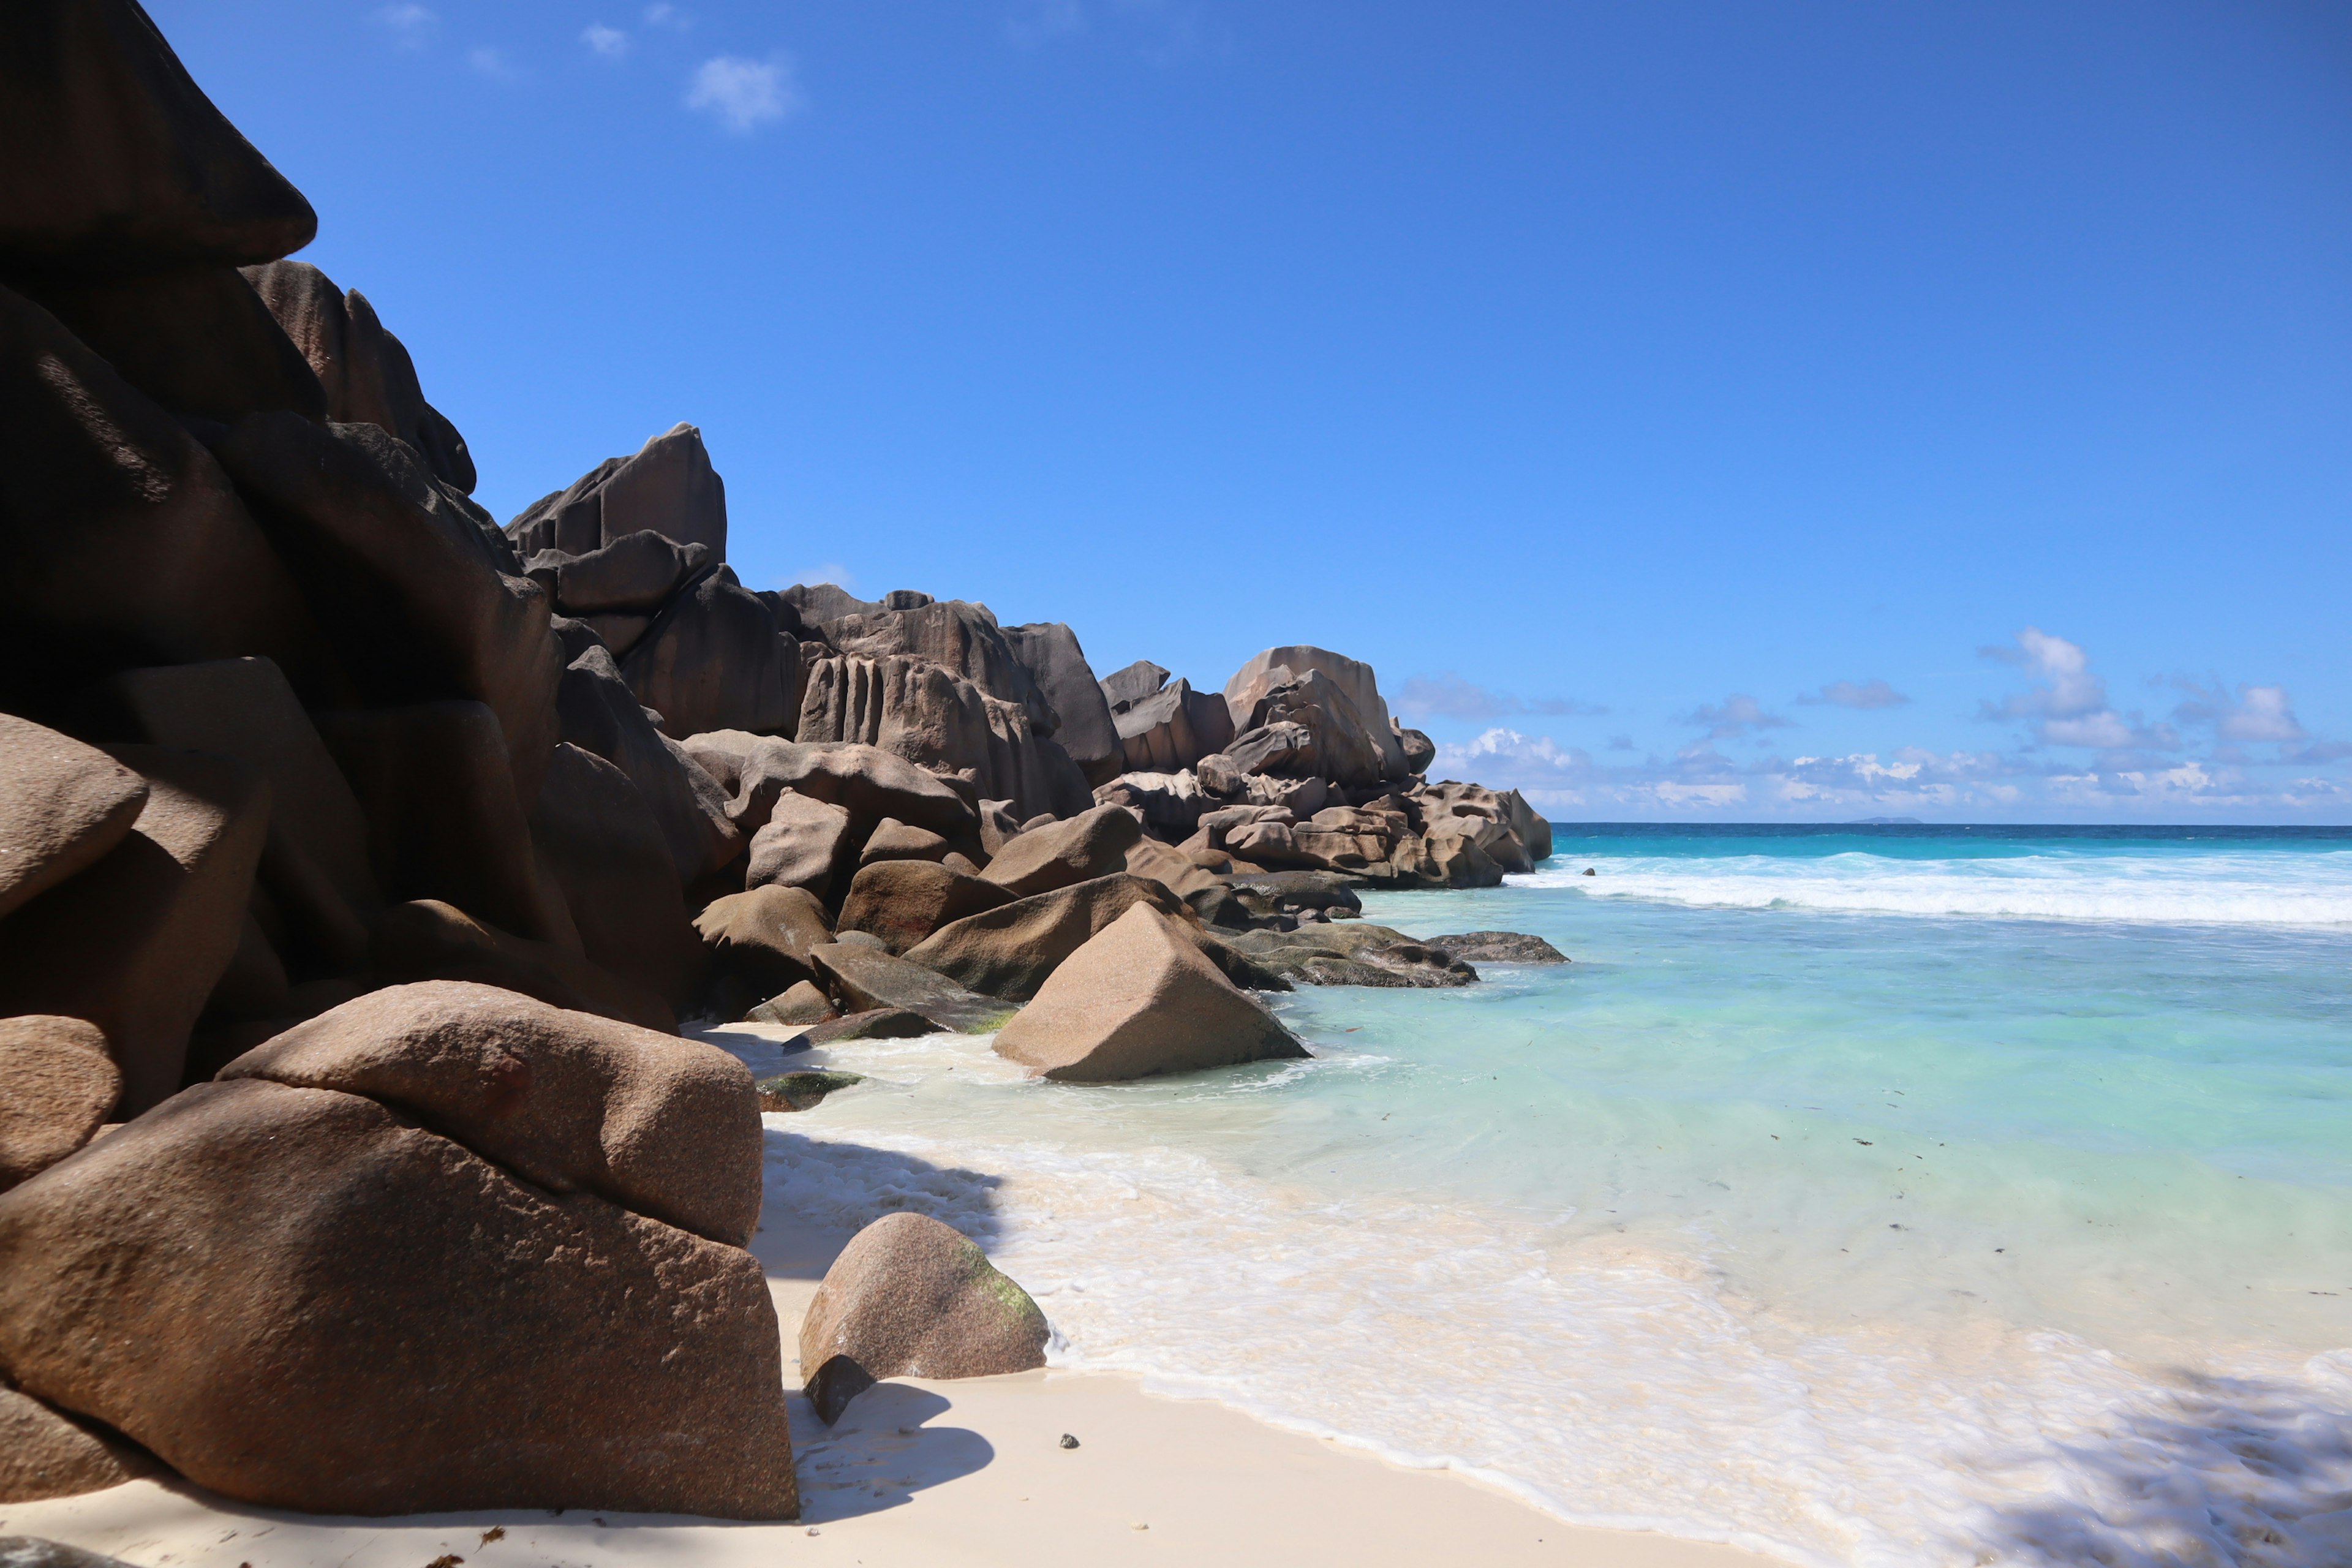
[{"x": 1891, "y": 1196}]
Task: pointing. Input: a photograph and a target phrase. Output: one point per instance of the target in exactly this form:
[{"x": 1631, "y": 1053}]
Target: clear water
[{"x": 1865, "y": 1196}]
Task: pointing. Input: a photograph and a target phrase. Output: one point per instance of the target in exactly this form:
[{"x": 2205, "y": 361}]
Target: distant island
[{"x": 1884, "y": 822}]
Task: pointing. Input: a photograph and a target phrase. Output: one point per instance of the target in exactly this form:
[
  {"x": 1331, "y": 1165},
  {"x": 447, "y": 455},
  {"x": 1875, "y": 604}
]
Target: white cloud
[
  {"x": 663, "y": 15},
  {"x": 485, "y": 61},
  {"x": 1858, "y": 694},
  {"x": 2263, "y": 713},
  {"x": 2068, "y": 704},
  {"x": 410, "y": 24},
  {"x": 746, "y": 94},
  {"x": 610, "y": 42},
  {"x": 1736, "y": 715}
]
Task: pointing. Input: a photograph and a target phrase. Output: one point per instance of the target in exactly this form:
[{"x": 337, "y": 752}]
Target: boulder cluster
[{"x": 360, "y": 856}]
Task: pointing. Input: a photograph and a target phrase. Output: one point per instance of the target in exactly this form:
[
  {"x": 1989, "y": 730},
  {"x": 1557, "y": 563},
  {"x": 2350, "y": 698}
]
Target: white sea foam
[
  {"x": 1607, "y": 1382},
  {"x": 2212, "y": 888}
]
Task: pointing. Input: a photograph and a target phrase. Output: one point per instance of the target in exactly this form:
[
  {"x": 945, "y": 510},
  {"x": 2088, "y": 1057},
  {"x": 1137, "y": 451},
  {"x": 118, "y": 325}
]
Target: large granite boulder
[
  {"x": 1123, "y": 689},
  {"x": 430, "y": 940},
  {"x": 596, "y": 711},
  {"x": 940, "y": 721},
  {"x": 136, "y": 942},
  {"x": 201, "y": 343},
  {"x": 362, "y": 370},
  {"x": 909, "y": 1296},
  {"x": 1347, "y": 699},
  {"x": 606, "y": 852},
  {"x": 414, "y": 595},
  {"x": 867, "y": 782},
  {"x": 666, "y": 486},
  {"x": 1497, "y": 947},
  {"x": 64, "y": 807},
  {"x": 712, "y": 660},
  {"x": 117, "y": 163},
  {"x": 904, "y": 902},
  {"x": 867, "y": 978},
  {"x": 57, "y": 1086},
  {"x": 1010, "y": 950},
  {"x": 1474, "y": 804},
  {"x": 126, "y": 544},
  {"x": 304, "y": 1298},
  {"x": 805, "y": 843},
  {"x": 435, "y": 783},
  {"x": 1172, "y": 729},
  {"x": 960, "y": 638},
  {"x": 1085, "y": 733},
  {"x": 1136, "y": 1000},
  {"x": 637, "y": 572},
  {"x": 1169, "y": 805},
  {"x": 1355, "y": 953},
  {"x": 568, "y": 1102},
  {"x": 760, "y": 943},
  {"x": 1092, "y": 844}
]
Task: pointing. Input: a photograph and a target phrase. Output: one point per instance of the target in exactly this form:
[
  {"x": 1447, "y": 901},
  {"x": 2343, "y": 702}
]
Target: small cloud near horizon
[
  {"x": 2067, "y": 704},
  {"x": 1738, "y": 714},
  {"x": 610, "y": 42},
  {"x": 1449, "y": 696},
  {"x": 744, "y": 94},
  {"x": 1856, "y": 694}
]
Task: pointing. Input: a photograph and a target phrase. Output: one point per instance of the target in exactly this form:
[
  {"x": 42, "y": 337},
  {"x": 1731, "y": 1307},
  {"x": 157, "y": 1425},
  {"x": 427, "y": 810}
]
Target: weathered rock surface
[
  {"x": 909, "y": 1296},
  {"x": 960, "y": 639},
  {"x": 805, "y": 843},
  {"x": 760, "y": 943},
  {"x": 1354, "y": 953},
  {"x": 136, "y": 944},
  {"x": 1497, "y": 947},
  {"x": 896, "y": 840},
  {"x": 597, "y": 712},
  {"x": 411, "y": 594},
  {"x": 937, "y": 719},
  {"x": 635, "y": 572},
  {"x": 64, "y": 807},
  {"x": 799, "y": 1003},
  {"x": 31, "y": 1551},
  {"x": 904, "y": 902},
  {"x": 1010, "y": 950},
  {"x": 867, "y": 782},
  {"x": 567, "y": 1100},
  {"x": 712, "y": 660},
  {"x": 1174, "y": 729},
  {"x": 1169, "y": 805},
  {"x": 668, "y": 487},
  {"x": 117, "y": 163},
  {"x": 199, "y": 341},
  {"x": 45, "y": 1453},
  {"x": 58, "y": 1084},
  {"x": 1092, "y": 844},
  {"x": 871, "y": 1024},
  {"x": 429, "y": 940},
  {"x": 866, "y": 978},
  {"x": 607, "y": 855},
  {"x": 1123, "y": 689},
  {"x": 297, "y": 1299},
  {"x": 1087, "y": 733},
  {"x": 1293, "y": 892},
  {"x": 1136, "y": 1000},
  {"x": 805, "y": 1091},
  {"x": 1335, "y": 695}
]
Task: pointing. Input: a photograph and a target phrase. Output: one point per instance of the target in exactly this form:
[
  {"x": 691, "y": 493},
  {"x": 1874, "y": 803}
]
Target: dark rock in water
[
  {"x": 1497, "y": 947},
  {"x": 909, "y": 1296},
  {"x": 593, "y": 834},
  {"x": 436, "y": 785},
  {"x": 805, "y": 1091},
  {"x": 634, "y": 571},
  {"x": 567, "y": 1101},
  {"x": 667, "y": 486},
  {"x": 1354, "y": 953},
  {"x": 136, "y": 942},
  {"x": 1123, "y": 689},
  {"x": 799, "y": 1003},
  {"x": 57, "y": 1086},
  {"x": 1051, "y": 652},
  {"x": 1287, "y": 893},
  {"x": 413, "y": 1329},
  {"x": 760, "y": 941},
  {"x": 32, "y": 1552},
  {"x": 712, "y": 660},
  {"x": 412, "y": 593},
  {"x": 596, "y": 711},
  {"x": 867, "y": 782},
  {"x": 117, "y": 163},
  {"x": 364, "y": 371},
  {"x": 45, "y": 1453},
  {"x": 1140, "y": 998},
  {"x": 1092, "y": 844},
  {"x": 805, "y": 844},
  {"x": 428, "y": 939},
  {"x": 904, "y": 902},
  {"x": 200, "y": 342},
  {"x": 868, "y": 978},
  {"x": 126, "y": 544},
  {"x": 872, "y": 1024},
  {"x": 64, "y": 807}
]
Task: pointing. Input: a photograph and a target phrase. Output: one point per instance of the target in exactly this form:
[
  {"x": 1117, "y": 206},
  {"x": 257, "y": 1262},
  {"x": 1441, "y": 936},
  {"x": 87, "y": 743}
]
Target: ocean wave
[{"x": 2216, "y": 890}]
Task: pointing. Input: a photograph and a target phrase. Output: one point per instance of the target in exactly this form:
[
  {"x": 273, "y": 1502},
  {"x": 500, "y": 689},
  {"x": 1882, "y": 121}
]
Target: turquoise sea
[{"x": 1867, "y": 1195}]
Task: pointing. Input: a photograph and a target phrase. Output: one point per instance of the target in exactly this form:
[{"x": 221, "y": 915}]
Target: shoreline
[{"x": 920, "y": 1472}]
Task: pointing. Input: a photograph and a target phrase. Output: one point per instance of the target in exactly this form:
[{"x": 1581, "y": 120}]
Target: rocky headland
[{"x": 359, "y": 856}]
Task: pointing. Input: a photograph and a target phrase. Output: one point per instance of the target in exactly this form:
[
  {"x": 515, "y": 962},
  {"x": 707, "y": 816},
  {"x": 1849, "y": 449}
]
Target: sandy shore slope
[{"x": 940, "y": 1474}]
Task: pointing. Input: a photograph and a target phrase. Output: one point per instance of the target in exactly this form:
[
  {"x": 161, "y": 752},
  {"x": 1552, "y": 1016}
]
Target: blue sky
[{"x": 1709, "y": 411}]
